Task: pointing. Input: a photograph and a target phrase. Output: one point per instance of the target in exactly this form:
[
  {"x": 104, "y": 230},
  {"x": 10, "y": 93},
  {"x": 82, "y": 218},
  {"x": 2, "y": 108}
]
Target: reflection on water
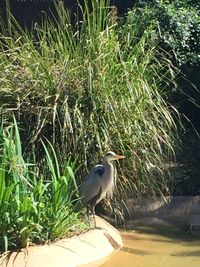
[{"x": 150, "y": 249}]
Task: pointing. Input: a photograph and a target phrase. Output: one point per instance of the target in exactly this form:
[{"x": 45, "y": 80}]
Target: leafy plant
[
  {"x": 179, "y": 28},
  {"x": 178, "y": 32},
  {"x": 34, "y": 208},
  {"x": 91, "y": 87}
]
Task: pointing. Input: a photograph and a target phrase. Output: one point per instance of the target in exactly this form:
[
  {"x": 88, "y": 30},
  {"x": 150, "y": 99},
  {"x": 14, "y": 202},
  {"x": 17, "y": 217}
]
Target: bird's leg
[
  {"x": 92, "y": 208},
  {"x": 93, "y": 213},
  {"x": 88, "y": 213}
]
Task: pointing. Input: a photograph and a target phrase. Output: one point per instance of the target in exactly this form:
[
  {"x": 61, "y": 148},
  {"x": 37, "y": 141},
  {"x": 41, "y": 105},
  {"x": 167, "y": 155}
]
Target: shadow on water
[
  {"x": 195, "y": 253},
  {"x": 135, "y": 251},
  {"x": 140, "y": 252},
  {"x": 155, "y": 246},
  {"x": 179, "y": 234}
]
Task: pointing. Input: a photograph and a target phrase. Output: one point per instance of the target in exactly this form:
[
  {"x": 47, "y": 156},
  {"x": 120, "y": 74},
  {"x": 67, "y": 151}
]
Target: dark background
[{"x": 28, "y": 12}]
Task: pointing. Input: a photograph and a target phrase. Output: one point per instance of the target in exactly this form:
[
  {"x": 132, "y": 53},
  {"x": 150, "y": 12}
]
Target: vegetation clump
[
  {"x": 97, "y": 85},
  {"x": 89, "y": 88},
  {"x": 178, "y": 33},
  {"x": 34, "y": 207}
]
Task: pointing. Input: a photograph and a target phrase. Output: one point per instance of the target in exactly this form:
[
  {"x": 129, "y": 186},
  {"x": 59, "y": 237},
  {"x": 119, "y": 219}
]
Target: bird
[{"x": 99, "y": 183}]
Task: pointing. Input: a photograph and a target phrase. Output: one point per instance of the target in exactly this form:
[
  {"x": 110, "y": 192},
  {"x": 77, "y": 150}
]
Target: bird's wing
[{"x": 92, "y": 183}]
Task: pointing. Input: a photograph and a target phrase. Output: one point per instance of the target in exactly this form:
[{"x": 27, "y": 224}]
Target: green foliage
[
  {"x": 90, "y": 88},
  {"x": 179, "y": 27},
  {"x": 178, "y": 32},
  {"x": 33, "y": 208}
]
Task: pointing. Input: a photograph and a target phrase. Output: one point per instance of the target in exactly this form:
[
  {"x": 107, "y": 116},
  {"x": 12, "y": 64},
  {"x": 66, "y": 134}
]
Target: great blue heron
[{"x": 99, "y": 182}]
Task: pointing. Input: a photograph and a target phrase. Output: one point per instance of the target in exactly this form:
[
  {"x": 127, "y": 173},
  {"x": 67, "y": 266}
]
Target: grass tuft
[
  {"x": 34, "y": 208},
  {"x": 93, "y": 86}
]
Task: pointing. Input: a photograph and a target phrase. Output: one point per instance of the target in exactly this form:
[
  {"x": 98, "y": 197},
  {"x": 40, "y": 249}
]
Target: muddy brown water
[{"x": 155, "y": 248}]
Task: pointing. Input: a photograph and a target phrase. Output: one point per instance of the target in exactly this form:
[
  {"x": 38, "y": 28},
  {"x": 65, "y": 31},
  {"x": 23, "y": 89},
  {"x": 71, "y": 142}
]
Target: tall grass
[
  {"x": 94, "y": 86},
  {"x": 33, "y": 208}
]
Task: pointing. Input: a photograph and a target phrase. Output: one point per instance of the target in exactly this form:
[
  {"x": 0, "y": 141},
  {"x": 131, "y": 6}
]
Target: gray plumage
[{"x": 99, "y": 182}]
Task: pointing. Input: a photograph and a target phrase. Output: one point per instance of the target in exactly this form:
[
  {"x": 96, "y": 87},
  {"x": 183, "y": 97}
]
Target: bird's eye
[{"x": 108, "y": 154}]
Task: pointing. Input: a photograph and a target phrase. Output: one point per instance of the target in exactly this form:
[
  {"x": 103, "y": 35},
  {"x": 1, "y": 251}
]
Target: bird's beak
[{"x": 119, "y": 157}]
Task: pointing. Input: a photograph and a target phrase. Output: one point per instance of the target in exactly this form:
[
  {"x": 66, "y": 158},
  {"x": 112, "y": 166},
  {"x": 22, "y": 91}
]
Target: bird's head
[{"x": 109, "y": 156}]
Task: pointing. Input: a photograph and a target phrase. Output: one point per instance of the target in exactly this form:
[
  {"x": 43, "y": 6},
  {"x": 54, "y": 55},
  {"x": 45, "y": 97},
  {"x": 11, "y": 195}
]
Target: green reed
[
  {"x": 34, "y": 207},
  {"x": 93, "y": 86}
]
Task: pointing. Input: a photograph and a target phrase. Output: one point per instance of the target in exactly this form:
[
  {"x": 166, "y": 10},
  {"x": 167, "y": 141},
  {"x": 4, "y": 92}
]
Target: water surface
[{"x": 149, "y": 248}]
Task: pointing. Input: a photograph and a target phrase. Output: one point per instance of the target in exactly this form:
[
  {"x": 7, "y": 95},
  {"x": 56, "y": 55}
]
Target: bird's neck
[
  {"x": 108, "y": 165},
  {"x": 106, "y": 162}
]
